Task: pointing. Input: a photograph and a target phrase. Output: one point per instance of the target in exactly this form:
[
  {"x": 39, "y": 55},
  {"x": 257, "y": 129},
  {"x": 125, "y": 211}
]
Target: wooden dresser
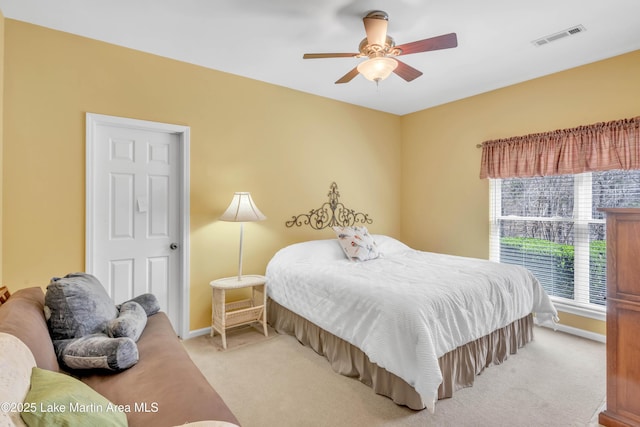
[{"x": 623, "y": 318}]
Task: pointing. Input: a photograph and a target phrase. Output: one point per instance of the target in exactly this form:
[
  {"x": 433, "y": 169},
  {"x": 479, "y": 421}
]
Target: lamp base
[{"x": 240, "y": 256}]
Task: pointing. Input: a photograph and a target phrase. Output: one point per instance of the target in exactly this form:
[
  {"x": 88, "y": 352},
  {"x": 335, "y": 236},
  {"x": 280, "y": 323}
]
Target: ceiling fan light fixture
[
  {"x": 378, "y": 68},
  {"x": 380, "y": 48}
]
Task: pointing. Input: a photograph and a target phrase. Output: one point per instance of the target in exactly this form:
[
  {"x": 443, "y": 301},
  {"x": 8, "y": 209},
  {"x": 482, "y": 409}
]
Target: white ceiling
[{"x": 265, "y": 39}]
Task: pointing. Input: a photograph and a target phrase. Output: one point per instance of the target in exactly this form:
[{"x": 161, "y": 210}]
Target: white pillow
[
  {"x": 16, "y": 363},
  {"x": 312, "y": 250},
  {"x": 357, "y": 243},
  {"x": 389, "y": 246}
]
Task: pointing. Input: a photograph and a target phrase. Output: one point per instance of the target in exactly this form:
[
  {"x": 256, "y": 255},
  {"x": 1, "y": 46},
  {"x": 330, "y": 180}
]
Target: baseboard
[
  {"x": 559, "y": 327},
  {"x": 579, "y": 332},
  {"x": 197, "y": 333}
]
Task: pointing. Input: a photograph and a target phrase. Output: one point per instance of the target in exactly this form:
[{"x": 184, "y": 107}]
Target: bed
[{"x": 413, "y": 325}]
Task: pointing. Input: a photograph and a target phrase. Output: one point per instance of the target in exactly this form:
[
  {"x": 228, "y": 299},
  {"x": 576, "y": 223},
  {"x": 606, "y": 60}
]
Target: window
[{"x": 551, "y": 225}]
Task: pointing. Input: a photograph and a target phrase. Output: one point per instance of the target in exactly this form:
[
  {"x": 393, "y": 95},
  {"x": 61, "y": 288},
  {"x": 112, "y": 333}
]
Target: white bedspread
[{"x": 407, "y": 308}]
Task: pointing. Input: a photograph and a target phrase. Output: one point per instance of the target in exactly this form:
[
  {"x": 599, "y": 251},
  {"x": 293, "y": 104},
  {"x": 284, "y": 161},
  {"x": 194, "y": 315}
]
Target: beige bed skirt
[{"x": 459, "y": 367}]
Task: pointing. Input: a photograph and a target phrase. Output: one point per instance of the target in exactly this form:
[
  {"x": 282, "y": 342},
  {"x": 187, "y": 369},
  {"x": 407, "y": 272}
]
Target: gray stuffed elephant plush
[{"x": 88, "y": 330}]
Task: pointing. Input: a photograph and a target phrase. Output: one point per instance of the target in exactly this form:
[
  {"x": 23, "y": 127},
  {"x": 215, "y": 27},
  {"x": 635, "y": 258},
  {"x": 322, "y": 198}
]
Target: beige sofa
[{"x": 164, "y": 388}]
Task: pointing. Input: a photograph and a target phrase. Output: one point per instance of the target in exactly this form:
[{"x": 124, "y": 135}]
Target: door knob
[{"x": 173, "y": 246}]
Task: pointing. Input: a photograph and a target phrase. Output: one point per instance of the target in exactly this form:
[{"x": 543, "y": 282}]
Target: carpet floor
[{"x": 556, "y": 380}]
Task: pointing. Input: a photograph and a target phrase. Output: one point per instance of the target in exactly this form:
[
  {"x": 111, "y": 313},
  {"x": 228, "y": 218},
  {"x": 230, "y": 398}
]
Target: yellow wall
[
  {"x": 284, "y": 146},
  {"x": 1, "y": 132},
  {"x": 445, "y": 206}
]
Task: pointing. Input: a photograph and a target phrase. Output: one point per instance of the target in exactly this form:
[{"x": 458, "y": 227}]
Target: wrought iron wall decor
[{"x": 330, "y": 214}]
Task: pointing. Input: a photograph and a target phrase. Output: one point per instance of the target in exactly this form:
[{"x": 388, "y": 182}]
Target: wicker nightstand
[{"x": 226, "y": 315}]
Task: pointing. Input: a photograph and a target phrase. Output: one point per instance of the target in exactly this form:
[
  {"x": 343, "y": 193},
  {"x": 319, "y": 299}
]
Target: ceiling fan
[{"x": 382, "y": 51}]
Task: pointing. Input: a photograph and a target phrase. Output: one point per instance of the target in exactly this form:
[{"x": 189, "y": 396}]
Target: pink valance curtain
[{"x": 597, "y": 147}]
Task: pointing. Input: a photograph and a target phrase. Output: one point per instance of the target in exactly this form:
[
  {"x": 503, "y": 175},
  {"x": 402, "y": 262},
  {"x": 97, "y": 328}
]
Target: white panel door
[{"x": 136, "y": 245}]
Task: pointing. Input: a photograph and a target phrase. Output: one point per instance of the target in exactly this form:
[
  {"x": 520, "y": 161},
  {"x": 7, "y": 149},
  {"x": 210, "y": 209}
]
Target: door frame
[{"x": 94, "y": 120}]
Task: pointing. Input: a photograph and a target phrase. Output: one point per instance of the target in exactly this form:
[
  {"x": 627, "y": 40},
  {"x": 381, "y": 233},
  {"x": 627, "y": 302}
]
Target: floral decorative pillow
[{"x": 357, "y": 243}]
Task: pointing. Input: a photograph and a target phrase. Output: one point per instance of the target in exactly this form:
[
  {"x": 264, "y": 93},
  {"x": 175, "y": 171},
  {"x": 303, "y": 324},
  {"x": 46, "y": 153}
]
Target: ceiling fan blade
[
  {"x": 328, "y": 55},
  {"x": 444, "y": 41},
  {"x": 407, "y": 72},
  {"x": 348, "y": 77},
  {"x": 375, "y": 25}
]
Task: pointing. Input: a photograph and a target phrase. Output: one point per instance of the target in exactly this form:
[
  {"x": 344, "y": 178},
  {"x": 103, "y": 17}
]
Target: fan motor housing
[{"x": 375, "y": 50}]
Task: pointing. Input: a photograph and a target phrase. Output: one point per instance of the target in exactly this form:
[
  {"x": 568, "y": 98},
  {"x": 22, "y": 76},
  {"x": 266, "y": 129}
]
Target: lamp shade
[
  {"x": 242, "y": 209},
  {"x": 376, "y": 69}
]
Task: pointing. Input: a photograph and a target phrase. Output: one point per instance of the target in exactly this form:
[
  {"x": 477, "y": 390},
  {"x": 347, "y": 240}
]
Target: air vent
[{"x": 560, "y": 35}]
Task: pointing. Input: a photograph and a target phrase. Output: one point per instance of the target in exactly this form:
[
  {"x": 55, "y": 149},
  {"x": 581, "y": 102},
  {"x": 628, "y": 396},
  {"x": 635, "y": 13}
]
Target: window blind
[{"x": 552, "y": 226}]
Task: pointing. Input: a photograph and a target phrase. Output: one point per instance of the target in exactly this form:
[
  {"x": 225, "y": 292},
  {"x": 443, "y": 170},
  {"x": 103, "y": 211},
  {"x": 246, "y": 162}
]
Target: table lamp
[{"x": 242, "y": 209}]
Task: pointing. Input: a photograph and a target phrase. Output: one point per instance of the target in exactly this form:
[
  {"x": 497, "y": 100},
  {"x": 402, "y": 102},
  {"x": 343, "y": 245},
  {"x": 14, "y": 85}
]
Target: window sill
[{"x": 580, "y": 310}]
